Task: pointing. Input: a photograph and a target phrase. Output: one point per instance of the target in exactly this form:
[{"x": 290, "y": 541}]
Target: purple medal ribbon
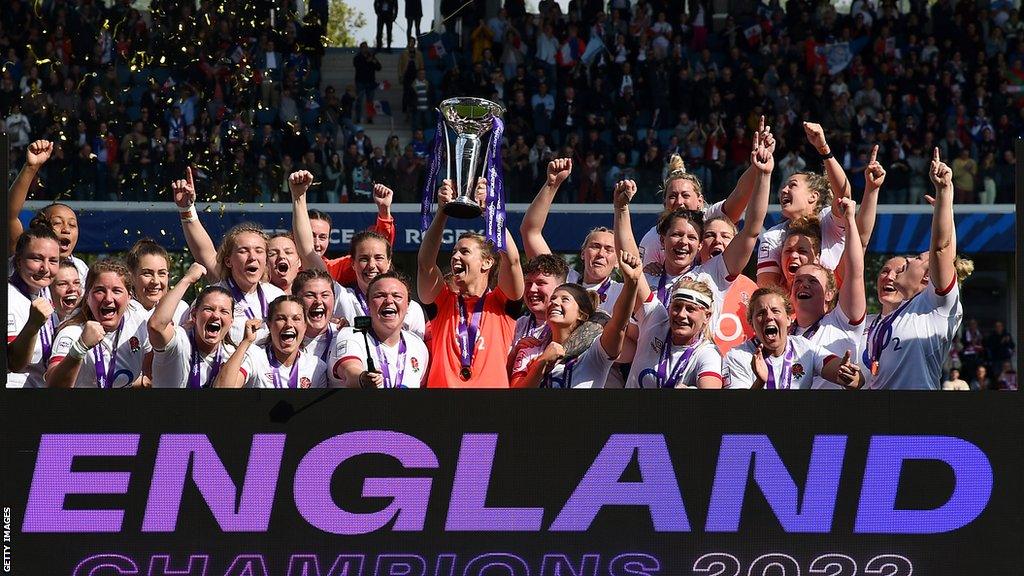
[
  {"x": 293, "y": 378},
  {"x": 383, "y": 362},
  {"x": 551, "y": 381},
  {"x": 786, "y": 377},
  {"x": 330, "y": 341},
  {"x": 667, "y": 376},
  {"x": 468, "y": 332},
  {"x": 194, "y": 364},
  {"x": 362, "y": 300},
  {"x": 663, "y": 289},
  {"x": 545, "y": 334},
  {"x": 495, "y": 187},
  {"x": 602, "y": 290},
  {"x": 48, "y": 330},
  {"x": 236, "y": 293},
  {"x": 105, "y": 375},
  {"x": 430, "y": 185},
  {"x": 880, "y": 333}
]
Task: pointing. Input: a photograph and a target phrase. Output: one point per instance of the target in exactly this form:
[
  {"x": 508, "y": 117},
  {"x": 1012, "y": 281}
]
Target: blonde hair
[
  {"x": 227, "y": 246},
  {"x": 964, "y": 267},
  {"x": 81, "y": 313},
  {"x": 703, "y": 289},
  {"x": 677, "y": 171},
  {"x": 820, "y": 184}
]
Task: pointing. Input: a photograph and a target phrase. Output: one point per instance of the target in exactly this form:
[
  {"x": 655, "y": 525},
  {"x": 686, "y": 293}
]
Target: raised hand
[
  {"x": 382, "y": 197},
  {"x": 848, "y": 210},
  {"x": 184, "y": 190},
  {"x": 480, "y": 193},
  {"x": 40, "y": 311},
  {"x": 623, "y": 193},
  {"x": 630, "y": 266},
  {"x": 758, "y": 364},
  {"x": 445, "y": 194},
  {"x": 874, "y": 173},
  {"x": 299, "y": 182},
  {"x": 92, "y": 334},
  {"x": 38, "y": 152},
  {"x": 252, "y": 326},
  {"x": 194, "y": 273},
  {"x": 941, "y": 174},
  {"x": 849, "y": 372},
  {"x": 760, "y": 156},
  {"x": 558, "y": 170},
  {"x": 816, "y": 136}
]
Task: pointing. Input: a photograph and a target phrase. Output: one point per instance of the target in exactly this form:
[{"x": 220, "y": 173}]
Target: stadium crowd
[{"x": 133, "y": 95}]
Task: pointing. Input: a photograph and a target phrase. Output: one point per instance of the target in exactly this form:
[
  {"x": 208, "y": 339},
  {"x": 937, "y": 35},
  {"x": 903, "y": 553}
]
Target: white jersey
[
  {"x": 833, "y": 242},
  {"x": 714, "y": 273},
  {"x": 180, "y": 311},
  {"x": 251, "y": 306},
  {"x": 81, "y": 266},
  {"x": 410, "y": 373},
  {"x": 653, "y": 320},
  {"x": 172, "y": 365},
  {"x": 18, "y": 308},
  {"x": 528, "y": 326},
  {"x": 309, "y": 371},
  {"x": 132, "y": 344},
  {"x": 651, "y": 248},
  {"x": 916, "y": 342},
  {"x": 588, "y": 370},
  {"x": 804, "y": 358},
  {"x": 322, "y": 344},
  {"x": 349, "y": 306},
  {"x": 607, "y": 291},
  {"x": 835, "y": 333}
]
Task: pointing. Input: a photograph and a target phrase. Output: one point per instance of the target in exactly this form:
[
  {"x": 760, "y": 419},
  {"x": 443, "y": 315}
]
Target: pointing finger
[{"x": 874, "y": 153}]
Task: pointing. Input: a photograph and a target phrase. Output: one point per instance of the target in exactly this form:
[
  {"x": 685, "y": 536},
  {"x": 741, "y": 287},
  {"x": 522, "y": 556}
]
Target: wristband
[
  {"x": 189, "y": 214},
  {"x": 827, "y": 156},
  {"x": 78, "y": 350}
]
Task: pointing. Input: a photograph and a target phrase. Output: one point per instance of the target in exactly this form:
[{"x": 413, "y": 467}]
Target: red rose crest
[
  {"x": 798, "y": 371},
  {"x": 133, "y": 342},
  {"x": 304, "y": 382},
  {"x": 415, "y": 364}
]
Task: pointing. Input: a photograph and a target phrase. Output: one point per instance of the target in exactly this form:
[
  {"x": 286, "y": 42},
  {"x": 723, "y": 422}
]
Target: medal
[
  {"x": 467, "y": 333},
  {"x": 466, "y": 373},
  {"x": 874, "y": 367}
]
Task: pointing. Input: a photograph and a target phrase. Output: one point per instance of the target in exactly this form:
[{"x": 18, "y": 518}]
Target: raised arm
[
  {"x": 19, "y": 350},
  {"x": 37, "y": 154},
  {"x": 942, "y": 251},
  {"x": 161, "y": 323},
  {"x": 64, "y": 373},
  {"x": 736, "y": 203},
  {"x": 852, "y": 300},
  {"x": 385, "y": 224},
  {"x": 874, "y": 177},
  {"x": 199, "y": 241},
  {"x": 625, "y": 241},
  {"x": 614, "y": 332},
  {"x": 737, "y": 253},
  {"x": 231, "y": 375},
  {"x": 302, "y": 230},
  {"x": 833, "y": 169},
  {"x": 510, "y": 271},
  {"x": 536, "y": 215},
  {"x": 430, "y": 279}
]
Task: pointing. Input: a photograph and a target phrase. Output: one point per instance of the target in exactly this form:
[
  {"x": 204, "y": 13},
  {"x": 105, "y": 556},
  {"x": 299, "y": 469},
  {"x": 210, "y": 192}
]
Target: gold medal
[{"x": 874, "y": 367}]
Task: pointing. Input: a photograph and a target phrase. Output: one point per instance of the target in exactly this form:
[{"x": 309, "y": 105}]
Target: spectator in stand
[
  {"x": 386, "y": 11},
  {"x": 366, "y": 67},
  {"x": 981, "y": 380},
  {"x": 413, "y": 15},
  {"x": 999, "y": 346},
  {"x": 973, "y": 347},
  {"x": 1007, "y": 377},
  {"x": 955, "y": 382}
]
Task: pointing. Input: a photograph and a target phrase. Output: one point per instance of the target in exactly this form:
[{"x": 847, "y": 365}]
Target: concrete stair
[{"x": 337, "y": 70}]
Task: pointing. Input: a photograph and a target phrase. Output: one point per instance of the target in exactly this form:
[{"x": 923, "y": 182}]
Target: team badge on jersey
[
  {"x": 415, "y": 364},
  {"x": 798, "y": 370},
  {"x": 134, "y": 344},
  {"x": 304, "y": 382}
]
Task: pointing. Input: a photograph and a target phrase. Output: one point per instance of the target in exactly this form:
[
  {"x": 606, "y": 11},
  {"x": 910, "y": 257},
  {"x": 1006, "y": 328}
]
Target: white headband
[{"x": 691, "y": 295}]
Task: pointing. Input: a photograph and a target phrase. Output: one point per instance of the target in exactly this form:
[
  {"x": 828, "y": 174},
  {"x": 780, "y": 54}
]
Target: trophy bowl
[{"x": 467, "y": 121}]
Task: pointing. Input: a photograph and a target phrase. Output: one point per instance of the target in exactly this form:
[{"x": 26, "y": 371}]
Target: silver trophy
[{"x": 470, "y": 119}]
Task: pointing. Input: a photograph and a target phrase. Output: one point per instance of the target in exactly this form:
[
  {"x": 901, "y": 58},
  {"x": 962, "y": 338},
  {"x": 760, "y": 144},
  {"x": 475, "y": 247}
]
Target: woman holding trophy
[{"x": 472, "y": 333}]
